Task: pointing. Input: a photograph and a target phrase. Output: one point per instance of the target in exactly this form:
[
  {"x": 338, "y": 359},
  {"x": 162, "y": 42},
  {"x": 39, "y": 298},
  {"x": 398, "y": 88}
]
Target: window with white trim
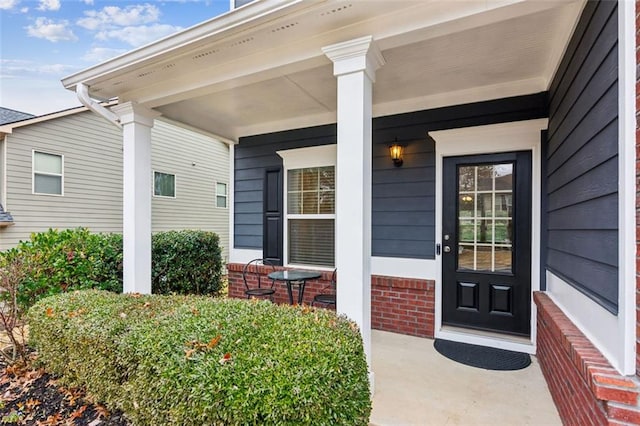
[
  {"x": 164, "y": 184},
  {"x": 310, "y": 189},
  {"x": 221, "y": 195},
  {"x": 47, "y": 173}
]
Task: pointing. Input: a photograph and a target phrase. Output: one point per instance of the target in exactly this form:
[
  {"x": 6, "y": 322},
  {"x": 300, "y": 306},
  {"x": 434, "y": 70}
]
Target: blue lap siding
[
  {"x": 582, "y": 159},
  {"x": 403, "y": 199}
]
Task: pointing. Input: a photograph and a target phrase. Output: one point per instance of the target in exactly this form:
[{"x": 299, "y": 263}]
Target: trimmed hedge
[
  {"x": 175, "y": 360},
  {"x": 186, "y": 262}
]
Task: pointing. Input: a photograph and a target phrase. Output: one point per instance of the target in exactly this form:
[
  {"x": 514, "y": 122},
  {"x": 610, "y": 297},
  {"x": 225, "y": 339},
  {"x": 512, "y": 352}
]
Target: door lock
[{"x": 447, "y": 249}]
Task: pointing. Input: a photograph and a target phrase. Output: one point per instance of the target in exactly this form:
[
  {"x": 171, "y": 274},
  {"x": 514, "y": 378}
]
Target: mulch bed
[{"x": 31, "y": 396}]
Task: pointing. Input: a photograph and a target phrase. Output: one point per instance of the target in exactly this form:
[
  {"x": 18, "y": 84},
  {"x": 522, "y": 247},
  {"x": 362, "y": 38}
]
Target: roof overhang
[{"x": 261, "y": 68}]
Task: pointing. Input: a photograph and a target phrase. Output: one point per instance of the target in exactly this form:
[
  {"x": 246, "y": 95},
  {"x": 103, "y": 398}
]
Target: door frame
[{"x": 491, "y": 139}]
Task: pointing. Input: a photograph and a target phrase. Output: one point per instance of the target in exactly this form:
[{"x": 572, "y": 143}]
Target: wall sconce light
[
  {"x": 395, "y": 150},
  {"x": 467, "y": 198}
]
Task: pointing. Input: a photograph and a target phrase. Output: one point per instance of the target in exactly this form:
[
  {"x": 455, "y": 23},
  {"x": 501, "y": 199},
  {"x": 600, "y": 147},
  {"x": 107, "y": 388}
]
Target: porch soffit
[{"x": 270, "y": 74}]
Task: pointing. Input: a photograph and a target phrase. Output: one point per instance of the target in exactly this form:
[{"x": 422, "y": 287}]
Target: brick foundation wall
[
  {"x": 399, "y": 305},
  {"x": 403, "y": 305},
  {"x": 585, "y": 387}
]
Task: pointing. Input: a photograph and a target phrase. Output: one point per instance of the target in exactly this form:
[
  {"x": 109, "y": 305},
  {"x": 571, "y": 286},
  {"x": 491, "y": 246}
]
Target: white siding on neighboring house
[
  {"x": 198, "y": 162},
  {"x": 92, "y": 150}
]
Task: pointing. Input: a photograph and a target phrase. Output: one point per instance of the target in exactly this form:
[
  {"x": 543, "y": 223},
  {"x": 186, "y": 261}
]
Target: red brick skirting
[
  {"x": 584, "y": 386},
  {"x": 403, "y": 305},
  {"x": 399, "y": 305}
]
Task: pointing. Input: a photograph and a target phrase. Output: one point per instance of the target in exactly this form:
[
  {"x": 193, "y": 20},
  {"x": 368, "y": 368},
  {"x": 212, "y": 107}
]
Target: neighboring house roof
[{"x": 10, "y": 115}]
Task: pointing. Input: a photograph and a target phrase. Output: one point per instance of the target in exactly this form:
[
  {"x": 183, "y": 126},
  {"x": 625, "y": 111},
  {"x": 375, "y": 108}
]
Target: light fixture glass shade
[{"x": 395, "y": 151}]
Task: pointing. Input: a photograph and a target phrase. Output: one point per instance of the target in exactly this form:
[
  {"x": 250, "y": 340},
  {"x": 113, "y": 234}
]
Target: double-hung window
[
  {"x": 47, "y": 173},
  {"x": 221, "y": 195},
  {"x": 310, "y": 206}
]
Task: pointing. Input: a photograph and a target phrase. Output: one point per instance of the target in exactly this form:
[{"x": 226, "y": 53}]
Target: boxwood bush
[
  {"x": 186, "y": 262},
  {"x": 176, "y": 360}
]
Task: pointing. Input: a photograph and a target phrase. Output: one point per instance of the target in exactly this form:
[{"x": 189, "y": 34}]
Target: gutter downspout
[{"x": 82, "y": 91}]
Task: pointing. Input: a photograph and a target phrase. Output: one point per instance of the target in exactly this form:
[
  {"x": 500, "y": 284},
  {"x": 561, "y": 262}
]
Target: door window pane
[{"x": 485, "y": 217}]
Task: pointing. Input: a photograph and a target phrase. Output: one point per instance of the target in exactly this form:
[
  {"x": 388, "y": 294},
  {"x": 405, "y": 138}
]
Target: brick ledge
[{"x": 619, "y": 394}]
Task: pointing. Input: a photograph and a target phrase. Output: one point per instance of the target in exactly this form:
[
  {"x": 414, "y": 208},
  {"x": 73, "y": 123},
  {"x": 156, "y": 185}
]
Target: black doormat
[{"x": 482, "y": 356}]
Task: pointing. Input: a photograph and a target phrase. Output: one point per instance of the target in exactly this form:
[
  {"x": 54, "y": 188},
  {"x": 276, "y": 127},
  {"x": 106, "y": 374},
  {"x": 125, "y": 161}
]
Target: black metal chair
[
  {"x": 256, "y": 284},
  {"x": 327, "y": 296}
]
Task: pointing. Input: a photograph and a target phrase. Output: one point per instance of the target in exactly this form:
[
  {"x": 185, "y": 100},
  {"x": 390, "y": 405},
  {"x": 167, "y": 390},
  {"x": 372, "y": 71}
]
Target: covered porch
[{"x": 315, "y": 86}]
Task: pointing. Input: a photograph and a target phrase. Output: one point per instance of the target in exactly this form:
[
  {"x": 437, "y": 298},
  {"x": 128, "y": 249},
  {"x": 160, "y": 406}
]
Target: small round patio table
[{"x": 295, "y": 277}]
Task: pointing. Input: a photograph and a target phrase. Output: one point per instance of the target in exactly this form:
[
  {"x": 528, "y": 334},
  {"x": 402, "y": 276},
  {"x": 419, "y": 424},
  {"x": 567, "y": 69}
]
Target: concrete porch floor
[{"x": 415, "y": 385}]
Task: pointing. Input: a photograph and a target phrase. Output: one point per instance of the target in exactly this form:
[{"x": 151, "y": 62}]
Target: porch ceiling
[{"x": 261, "y": 68}]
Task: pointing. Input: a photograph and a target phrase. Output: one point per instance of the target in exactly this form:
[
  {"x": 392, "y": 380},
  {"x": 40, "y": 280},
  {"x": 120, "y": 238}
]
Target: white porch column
[
  {"x": 354, "y": 64},
  {"x": 137, "y": 122}
]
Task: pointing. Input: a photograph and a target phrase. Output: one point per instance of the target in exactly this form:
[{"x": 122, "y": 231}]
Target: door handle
[{"x": 447, "y": 249}]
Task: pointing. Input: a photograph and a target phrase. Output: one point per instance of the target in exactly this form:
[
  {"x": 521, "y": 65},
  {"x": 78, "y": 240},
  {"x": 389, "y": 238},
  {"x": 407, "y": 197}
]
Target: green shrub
[
  {"x": 186, "y": 262},
  {"x": 70, "y": 259},
  {"x": 175, "y": 360}
]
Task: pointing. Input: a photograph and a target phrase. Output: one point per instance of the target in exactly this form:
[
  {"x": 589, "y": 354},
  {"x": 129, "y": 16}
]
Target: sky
[{"x": 42, "y": 41}]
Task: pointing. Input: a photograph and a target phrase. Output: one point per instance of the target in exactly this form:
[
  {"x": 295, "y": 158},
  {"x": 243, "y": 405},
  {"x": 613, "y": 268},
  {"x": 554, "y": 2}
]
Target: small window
[
  {"x": 221, "y": 195},
  {"x": 47, "y": 173},
  {"x": 164, "y": 185}
]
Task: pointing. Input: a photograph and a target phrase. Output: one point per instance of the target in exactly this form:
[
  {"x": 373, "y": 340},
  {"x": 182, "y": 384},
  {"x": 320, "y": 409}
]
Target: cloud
[
  {"x": 111, "y": 17},
  {"x": 138, "y": 35},
  {"x": 49, "y": 5},
  {"x": 51, "y": 30},
  {"x": 8, "y": 4},
  {"x": 18, "y": 68},
  {"x": 88, "y": 2},
  {"x": 101, "y": 54}
]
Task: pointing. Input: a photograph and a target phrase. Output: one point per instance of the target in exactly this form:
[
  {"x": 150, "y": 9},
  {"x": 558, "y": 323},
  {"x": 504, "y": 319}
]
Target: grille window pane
[
  {"x": 485, "y": 222},
  {"x": 311, "y": 191}
]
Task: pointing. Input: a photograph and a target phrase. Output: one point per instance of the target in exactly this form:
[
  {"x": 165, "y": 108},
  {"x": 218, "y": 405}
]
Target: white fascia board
[{"x": 245, "y": 17}]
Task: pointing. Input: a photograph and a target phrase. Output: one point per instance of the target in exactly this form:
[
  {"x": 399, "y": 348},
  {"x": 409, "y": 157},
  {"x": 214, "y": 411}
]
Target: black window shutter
[{"x": 272, "y": 226}]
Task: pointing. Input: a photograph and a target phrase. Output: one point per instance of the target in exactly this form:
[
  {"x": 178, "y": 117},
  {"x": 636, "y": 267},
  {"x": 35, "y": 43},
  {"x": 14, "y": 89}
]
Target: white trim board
[{"x": 495, "y": 138}]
